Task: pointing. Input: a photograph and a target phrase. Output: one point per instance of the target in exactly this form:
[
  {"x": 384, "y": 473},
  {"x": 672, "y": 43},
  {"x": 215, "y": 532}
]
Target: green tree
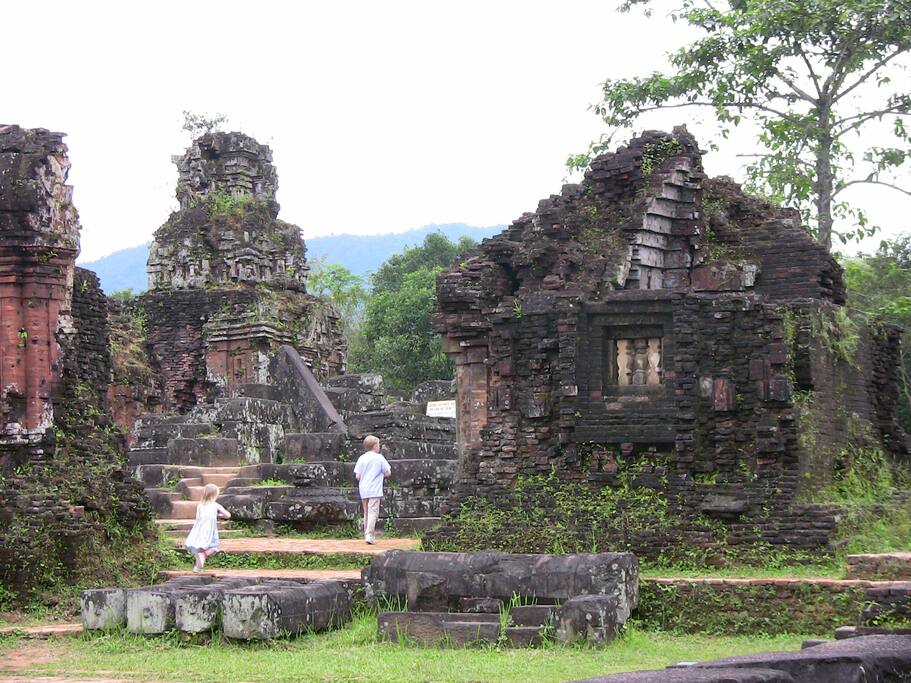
[
  {"x": 813, "y": 75},
  {"x": 396, "y": 338},
  {"x": 341, "y": 287},
  {"x": 880, "y": 285},
  {"x": 437, "y": 251}
]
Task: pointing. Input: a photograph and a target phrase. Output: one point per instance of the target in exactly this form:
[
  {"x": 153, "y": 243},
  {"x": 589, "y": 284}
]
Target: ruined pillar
[{"x": 39, "y": 240}]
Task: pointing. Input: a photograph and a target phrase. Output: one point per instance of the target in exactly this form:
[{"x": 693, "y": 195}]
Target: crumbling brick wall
[{"x": 637, "y": 331}]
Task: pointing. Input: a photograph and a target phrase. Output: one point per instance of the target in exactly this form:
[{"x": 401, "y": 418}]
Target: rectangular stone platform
[
  {"x": 265, "y": 612},
  {"x": 246, "y": 607},
  {"x": 433, "y": 628},
  {"x": 437, "y": 581}
]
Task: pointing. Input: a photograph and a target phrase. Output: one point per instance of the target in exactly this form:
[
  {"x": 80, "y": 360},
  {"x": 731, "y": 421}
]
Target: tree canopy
[
  {"x": 396, "y": 338},
  {"x": 812, "y": 75},
  {"x": 344, "y": 289},
  {"x": 880, "y": 285}
]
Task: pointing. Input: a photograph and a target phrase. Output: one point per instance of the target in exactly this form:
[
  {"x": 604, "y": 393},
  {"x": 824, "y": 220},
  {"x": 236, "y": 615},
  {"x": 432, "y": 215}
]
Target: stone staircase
[{"x": 271, "y": 470}]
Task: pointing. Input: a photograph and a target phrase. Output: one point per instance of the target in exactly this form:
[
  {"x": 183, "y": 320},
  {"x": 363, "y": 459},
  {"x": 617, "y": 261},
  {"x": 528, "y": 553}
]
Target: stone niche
[
  {"x": 653, "y": 327},
  {"x": 227, "y": 283}
]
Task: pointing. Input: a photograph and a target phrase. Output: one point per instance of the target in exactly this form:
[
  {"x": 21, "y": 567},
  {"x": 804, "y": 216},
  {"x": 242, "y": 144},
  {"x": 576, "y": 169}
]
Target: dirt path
[
  {"x": 314, "y": 546},
  {"x": 20, "y": 659}
]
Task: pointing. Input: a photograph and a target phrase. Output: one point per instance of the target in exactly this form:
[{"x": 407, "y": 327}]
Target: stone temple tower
[{"x": 227, "y": 278}]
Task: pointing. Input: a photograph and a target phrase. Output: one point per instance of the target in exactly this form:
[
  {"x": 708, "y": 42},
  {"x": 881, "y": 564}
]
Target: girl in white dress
[{"x": 202, "y": 541}]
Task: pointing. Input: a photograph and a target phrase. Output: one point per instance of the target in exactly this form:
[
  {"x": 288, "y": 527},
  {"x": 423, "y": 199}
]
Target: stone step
[
  {"x": 183, "y": 509},
  {"x": 215, "y": 452},
  {"x": 241, "y": 482},
  {"x": 220, "y": 480},
  {"x": 405, "y": 473},
  {"x": 249, "y": 409},
  {"x": 524, "y": 636},
  {"x": 158, "y": 435},
  {"x": 401, "y": 425},
  {"x": 146, "y": 419},
  {"x": 194, "y": 492},
  {"x": 156, "y": 475},
  {"x": 266, "y": 391},
  {"x": 138, "y": 457},
  {"x": 436, "y": 627},
  {"x": 315, "y": 446},
  {"x": 162, "y": 500}
]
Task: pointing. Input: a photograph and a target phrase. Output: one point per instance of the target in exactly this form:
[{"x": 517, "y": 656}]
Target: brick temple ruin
[
  {"x": 64, "y": 489},
  {"x": 656, "y": 329},
  {"x": 227, "y": 285},
  {"x": 227, "y": 371}
]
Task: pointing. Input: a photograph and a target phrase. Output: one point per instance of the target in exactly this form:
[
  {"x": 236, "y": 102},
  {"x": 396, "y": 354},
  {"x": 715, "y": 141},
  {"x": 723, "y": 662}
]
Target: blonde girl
[{"x": 202, "y": 541}]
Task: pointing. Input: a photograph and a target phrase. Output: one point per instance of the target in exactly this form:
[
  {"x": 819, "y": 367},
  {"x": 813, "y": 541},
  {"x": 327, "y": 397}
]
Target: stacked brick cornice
[{"x": 639, "y": 329}]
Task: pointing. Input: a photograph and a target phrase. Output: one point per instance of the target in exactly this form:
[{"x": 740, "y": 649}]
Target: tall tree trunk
[{"x": 825, "y": 182}]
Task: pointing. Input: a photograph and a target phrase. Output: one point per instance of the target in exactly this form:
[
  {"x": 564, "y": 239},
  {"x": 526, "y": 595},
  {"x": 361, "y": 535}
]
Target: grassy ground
[
  {"x": 354, "y": 654},
  {"x": 812, "y": 571}
]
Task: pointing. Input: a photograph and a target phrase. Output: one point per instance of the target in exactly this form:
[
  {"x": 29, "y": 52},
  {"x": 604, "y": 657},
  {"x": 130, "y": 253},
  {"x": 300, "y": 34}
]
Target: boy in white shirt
[{"x": 370, "y": 470}]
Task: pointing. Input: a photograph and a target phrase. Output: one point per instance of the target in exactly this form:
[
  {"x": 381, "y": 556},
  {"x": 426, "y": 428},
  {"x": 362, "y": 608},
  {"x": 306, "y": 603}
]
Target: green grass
[
  {"x": 798, "y": 571},
  {"x": 281, "y": 561},
  {"x": 354, "y": 654}
]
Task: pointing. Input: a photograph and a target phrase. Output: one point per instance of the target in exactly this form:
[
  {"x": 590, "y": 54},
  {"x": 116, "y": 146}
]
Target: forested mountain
[{"x": 361, "y": 254}]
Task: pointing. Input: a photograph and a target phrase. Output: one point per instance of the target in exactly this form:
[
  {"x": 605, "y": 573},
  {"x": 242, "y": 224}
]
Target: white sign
[{"x": 441, "y": 408}]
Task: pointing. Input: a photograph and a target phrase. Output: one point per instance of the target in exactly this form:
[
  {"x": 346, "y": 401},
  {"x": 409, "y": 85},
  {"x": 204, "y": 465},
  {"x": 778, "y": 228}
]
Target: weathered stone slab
[
  {"x": 402, "y": 425},
  {"x": 268, "y": 611},
  {"x": 696, "y": 676},
  {"x": 465, "y": 633},
  {"x": 314, "y": 506},
  {"x": 532, "y": 615},
  {"x": 430, "y": 627},
  {"x": 480, "y": 605},
  {"x": 103, "y": 608},
  {"x": 433, "y": 390},
  {"x": 315, "y": 446},
  {"x": 524, "y": 636},
  {"x": 203, "y": 452},
  {"x": 150, "y": 610},
  {"x": 199, "y": 609},
  {"x": 592, "y": 618},
  {"x": 428, "y": 580},
  {"x": 854, "y": 660}
]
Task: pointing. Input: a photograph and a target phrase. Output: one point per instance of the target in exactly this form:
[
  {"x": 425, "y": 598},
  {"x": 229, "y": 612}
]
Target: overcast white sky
[{"x": 383, "y": 116}]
